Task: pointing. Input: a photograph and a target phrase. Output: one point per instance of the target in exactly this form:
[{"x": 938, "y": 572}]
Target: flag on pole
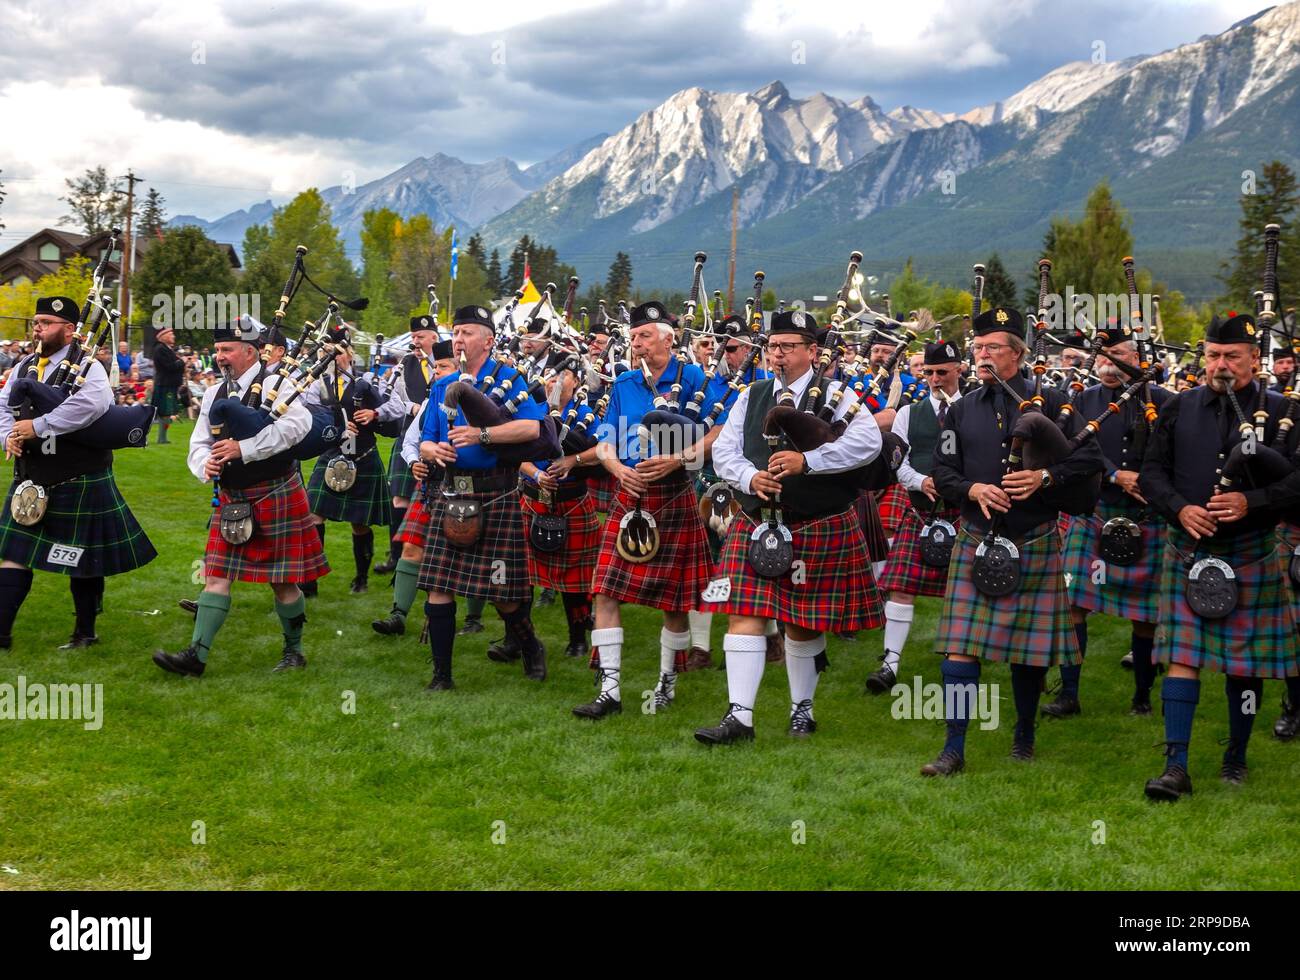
[
  {"x": 455, "y": 253},
  {"x": 531, "y": 295}
]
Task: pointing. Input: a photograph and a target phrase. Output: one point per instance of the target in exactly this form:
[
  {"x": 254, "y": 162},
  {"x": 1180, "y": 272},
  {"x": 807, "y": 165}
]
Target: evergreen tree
[
  {"x": 188, "y": 258},
  {"x": 474, "y": 249},
  {"x": 494, "y": 282},
  {"x": 618, "y": 284},
  {"x": 515, "y": 270},
  {"x": 999, "y": 287},
  {"x": 1275, "y": 201},
  {"x": 152, "y": 215}
]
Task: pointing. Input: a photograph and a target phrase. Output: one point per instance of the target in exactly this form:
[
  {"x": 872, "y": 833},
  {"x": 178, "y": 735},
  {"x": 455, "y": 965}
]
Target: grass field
[{"x": 495, "y": 785}]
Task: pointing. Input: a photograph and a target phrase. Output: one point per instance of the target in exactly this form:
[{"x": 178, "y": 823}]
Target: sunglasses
[{"x": 731, "y": 349}]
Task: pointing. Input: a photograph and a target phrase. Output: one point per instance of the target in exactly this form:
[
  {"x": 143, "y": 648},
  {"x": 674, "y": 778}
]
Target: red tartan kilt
[
  {"x": 838, "y": 592},
  {"x": 674, "y": 578},
  {"x": 570, "y": 569},
  {"x": 904, "y": 571},
  {"x": 893, "y": 505},
  {"x": 415, "y": 525},
  {"x": 284, "y": 547}
]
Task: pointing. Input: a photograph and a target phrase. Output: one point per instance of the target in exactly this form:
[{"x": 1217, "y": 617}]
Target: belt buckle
[
  {"x": 545, "y": 496},
  {"x": 462, "y": 484}
]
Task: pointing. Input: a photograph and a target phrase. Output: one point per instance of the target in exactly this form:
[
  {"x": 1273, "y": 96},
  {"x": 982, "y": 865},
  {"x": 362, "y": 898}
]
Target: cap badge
[
  {"x": 56, "y": 305},
  {"x": 1001, "y": 316}
]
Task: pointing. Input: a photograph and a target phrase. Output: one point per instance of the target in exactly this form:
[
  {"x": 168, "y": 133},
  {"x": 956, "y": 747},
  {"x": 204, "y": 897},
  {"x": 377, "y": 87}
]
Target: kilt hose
[
  {"x": 495, "y": 568},
  {"x": 873, "y": 531},
  {"x": 1288, "y": 536},
  {"x": 602, "y": 488},
  {"x": 1257, "y": 639},
  {"x": 674, "y": 578},
  {"x": 1031, "y": 626},
  {"x": 284, "y": 547},
  {"x": 166, "y": 400},
  {"x": 893, "y": 504},
  {"x": 836, "y": 592},
  {"x": 570, "y": 569},
  {"x": 401, "y": 481},
  {"x": 1130, "y": 592},
  {"x": 415, "y": 525},
  {"x": 904, "y": 571},
  {"x": 366, "y": 503},
  {"x": 86, "y": 512}
]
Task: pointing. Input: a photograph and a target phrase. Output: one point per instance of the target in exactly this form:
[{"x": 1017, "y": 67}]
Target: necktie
[
  {"x": 943, "y": 413},
  {"x": 341, "y": 386},
  {"x": 41, "y": 364},
  {"x": 424, "y": 366}
]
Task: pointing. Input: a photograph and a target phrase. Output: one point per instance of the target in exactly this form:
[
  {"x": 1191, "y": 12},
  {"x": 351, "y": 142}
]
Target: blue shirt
[
  {"x": 629, "y": 401},
  {"x": 435, "y": 429},
  {"x": 720, "y": 390},
  {"x": 124, "y": 363}
]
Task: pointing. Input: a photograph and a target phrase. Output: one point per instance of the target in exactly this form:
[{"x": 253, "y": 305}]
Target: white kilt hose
[{"x": 496, "y": 566}]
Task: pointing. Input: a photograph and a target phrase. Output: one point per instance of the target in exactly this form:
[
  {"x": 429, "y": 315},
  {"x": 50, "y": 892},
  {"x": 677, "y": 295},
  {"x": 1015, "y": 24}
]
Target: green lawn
[{"x": 410, "y": 790}]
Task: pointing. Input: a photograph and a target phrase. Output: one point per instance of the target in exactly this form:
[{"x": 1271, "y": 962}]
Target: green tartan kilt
[
  {"x": 86, "y": 512},
  {"x": 166, "y": 400},
  {"x": 401, "y": 481},
  {"x": 1031, "y": 626},
  {"x": 1258, "y": 638},
  {"x": 1130, "y": 592},
  {"x": 366, "y": 503}
]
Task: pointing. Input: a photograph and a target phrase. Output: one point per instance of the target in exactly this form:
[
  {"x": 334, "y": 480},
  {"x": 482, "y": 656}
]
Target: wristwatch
[
  {"x": 1047, "y": 479},
  {"x": 484, "y": 437}
]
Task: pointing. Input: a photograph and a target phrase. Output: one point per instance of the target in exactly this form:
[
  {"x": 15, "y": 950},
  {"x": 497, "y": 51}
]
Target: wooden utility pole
[
  {"x": 731, "y": 273},
  {"x": 128, "y": 249}
]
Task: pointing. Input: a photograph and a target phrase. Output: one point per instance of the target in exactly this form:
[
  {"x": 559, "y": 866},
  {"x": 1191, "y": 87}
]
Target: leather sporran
[
  {"x": 548, "y": 533},
  {"x": 340, "y": 474},
  {"x": 937, "y": 539},
  {"x": 1211, "y": 588},
  {"x": 1120, "y": 542},
  {"x": 462, "y": 522},
  {"x": 236, "y": 524},
  {"x": 28, "y": 504},
  {"x": 771, "y": 549},
  {"x": 638, "y": 537},
  {"x": 996, "y": 570}
]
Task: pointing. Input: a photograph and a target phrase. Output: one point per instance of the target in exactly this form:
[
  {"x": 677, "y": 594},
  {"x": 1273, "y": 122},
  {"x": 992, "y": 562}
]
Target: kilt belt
[{"x": 565, "y": 492}]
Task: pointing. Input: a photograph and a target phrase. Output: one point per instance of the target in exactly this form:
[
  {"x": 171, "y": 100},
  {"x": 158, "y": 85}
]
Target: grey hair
[{"x": 1017, "y": 344}]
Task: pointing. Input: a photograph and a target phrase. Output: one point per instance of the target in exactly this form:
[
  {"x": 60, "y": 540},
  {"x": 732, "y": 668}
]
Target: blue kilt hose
[
  {"x": 1031, "y": 626},
  {"x": 284, "y": 547},
  {"x": 496, "y": 567},
  {"x": 569, "y": 569},
  {"x": 367, "y": 502},
  {"x": 904, "y": 571},
  {"x": 1130, "y": 592},
  {"x": 86, "y": 512},
  {"x": 1288, "y": 536},
  {"x": 1257, "y": 639},
  {"x": 835, "y": 592},
  {"x": 401, "y": 481}
]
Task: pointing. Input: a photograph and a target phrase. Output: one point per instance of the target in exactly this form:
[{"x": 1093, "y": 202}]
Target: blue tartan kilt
[
  {"x": 1131, "y": 592},
  {"x": 1258, "y": 638},
  {"x": 401, "y": 481},
  {"x": 1030, "y": 626},
  {"x": 86, "y": 512},
  {"x": 366, "y": 503}
]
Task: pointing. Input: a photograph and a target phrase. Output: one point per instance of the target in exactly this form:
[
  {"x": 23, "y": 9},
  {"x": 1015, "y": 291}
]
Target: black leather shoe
[
  {"x": 1022, "y": 751},
  {"x": 504, "y": 650},
  {"x": 1126, "y": 661},
  {"x": 882, "y": 680},
  {"x": 440, "y": 682},
  {"x": 385, "y": 568},
  {"x": 948, "y": 763},
  {"x": 291, "y": 660},
  {"x": 547, "y": 598},
  {"x": 1288, "y": 725},
  {"x": 189, "y": 605},
  {"x": 186, "y": 662},
  {"x": 1170, "y": 785},
  {"x": 535, "y": 664},
  {"x": 727, "y": 731},
  {"x": 472, "y": 625},
  {"x": 78, "y": 642},
  {"x": 801, "y": 720},
  {"x": 359, "y": 585},
  {"x": 1140, "y": 706},
  {"x": 1063, "y": 707},
  {"x": 1233, "y": 772},
  {"x": 577, "y": 648},
  {"x": 394, "y": 625},
  {"x": 602, "y": 707}
]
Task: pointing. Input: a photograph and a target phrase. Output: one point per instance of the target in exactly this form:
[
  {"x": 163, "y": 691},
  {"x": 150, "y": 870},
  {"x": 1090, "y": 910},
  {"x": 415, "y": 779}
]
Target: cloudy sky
[{"x": 223, "y": 104}]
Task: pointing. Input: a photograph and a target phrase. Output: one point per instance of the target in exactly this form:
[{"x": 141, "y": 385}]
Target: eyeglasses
[
  {"x": 47, "y": 322},
  {"x": 938, "y": 371},
  {"x": 785, "y": 347},
  {"x": 989, "y": 348}
]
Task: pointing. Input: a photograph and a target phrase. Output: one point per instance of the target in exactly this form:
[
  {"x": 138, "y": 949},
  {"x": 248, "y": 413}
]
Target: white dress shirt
[
  {"x": 86, "y": 403},
  {"x": 908, "y": 477},
  {"x": 284, "y": 433},
  {"x": 411, "y": 441},
  {"x": 859, "y": 444}
]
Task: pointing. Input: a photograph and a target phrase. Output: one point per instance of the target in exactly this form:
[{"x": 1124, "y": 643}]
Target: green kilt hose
[
  {"x": 86, "y": 512},
  {"x": 1031, "y": 626},
  {"x": 569, "y": 569},
  {"x": 415, "y": 525},
  {"x": 1130, "y": 592},
  {"x": 496, "y": 567},
  {"x": 366, "y": 503},
  {"x": 401, "y": 481},
  {"x": 838, "y": 592},
  {"x": 674, "y": 578},
  {"x": 284, "y": 547},
  {"x": 166, "y": 400},
  {"x": 1258, "y": 638},
  {"x": 1288, "y": 536},
  {"x": 904, "y": 571}
]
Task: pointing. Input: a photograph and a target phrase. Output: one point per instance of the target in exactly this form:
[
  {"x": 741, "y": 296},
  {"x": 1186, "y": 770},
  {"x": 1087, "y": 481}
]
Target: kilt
[
  {"x": 1288, "y": 536},
  {"x": 166, "y": 400},
  {"x": 401, "y": 481},
  {"x": 569, "y": 569},
  {"x": 284, "y": 547},
  {"x": 469, "y": 572},
  {"x": 1132, "y": 592},
  {"x": 1031, "y": 626},
  {"x": 837, "y": 593},
  {"x": 1257, "y": 639},
  {"x": 366, "y": 503},
  {"x": 674, "y": 578},
  {"x": 602, "y": 488},
  {"x": 904, "y": 571},
  {"x": 872, "y": 530},
  {"x": 415, "y": 525},
  {"x": 893, "y": 504},
  {"x": 86, "y": 512}
]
